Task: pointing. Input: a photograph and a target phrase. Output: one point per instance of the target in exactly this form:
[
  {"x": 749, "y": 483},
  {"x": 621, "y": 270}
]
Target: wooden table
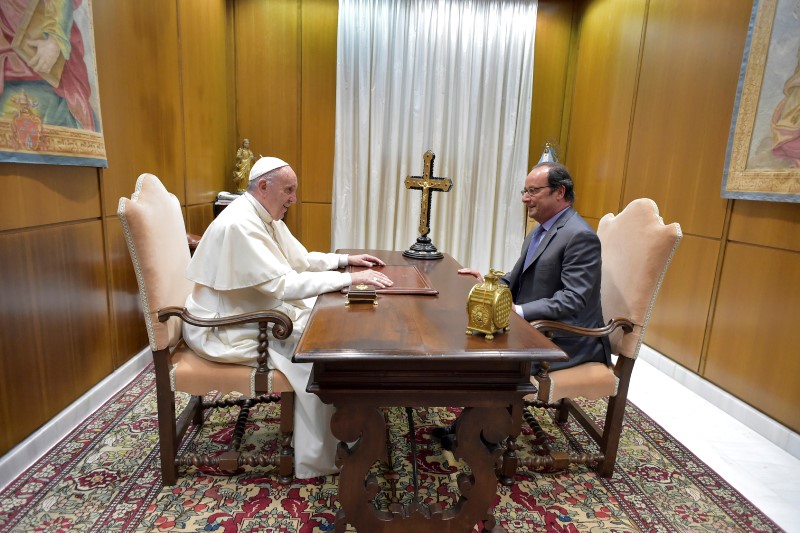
[{"x": 413, "y": 351}]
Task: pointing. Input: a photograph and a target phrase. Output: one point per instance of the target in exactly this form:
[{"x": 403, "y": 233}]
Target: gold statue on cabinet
[{"x": 244, "y": 161}]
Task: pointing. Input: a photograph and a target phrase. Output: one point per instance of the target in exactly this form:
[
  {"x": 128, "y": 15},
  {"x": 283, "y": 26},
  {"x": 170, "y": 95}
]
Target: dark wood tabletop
[{"x": 417, "y": 341}]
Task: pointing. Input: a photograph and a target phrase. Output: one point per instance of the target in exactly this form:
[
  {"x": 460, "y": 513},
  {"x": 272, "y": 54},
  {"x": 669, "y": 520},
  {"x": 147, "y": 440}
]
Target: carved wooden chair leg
[
  {"x": 613, "y": 426},
  {"x": 198, "y": 413},
  {"x": 229, "y": 461},
  {"x": 168, "y": 443},
  {"x": 562, "y": 411},
  {"x": 241, "y": 424},
  {"x": 286, "y": 468},
  {"x": 541, "y": 438},
  {"x": 509, "y": 463}
]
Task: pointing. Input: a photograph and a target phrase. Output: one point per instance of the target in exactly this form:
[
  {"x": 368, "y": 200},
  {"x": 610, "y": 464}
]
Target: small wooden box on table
[{"x": 412, "y": 351}]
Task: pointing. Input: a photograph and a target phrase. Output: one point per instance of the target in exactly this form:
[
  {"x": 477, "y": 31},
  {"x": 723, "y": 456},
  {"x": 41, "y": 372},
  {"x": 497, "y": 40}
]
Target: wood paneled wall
[
  {"x": 602, "y": 100},
  {"x": 649, "y": 116},
  {"x": 286, "y": 99},
  {"x": 70, "y": 306},
  {"x": 319, "y": 22},
  {"x": 56, "y": 335},
  {"x": 551, "y": 82},
  {"x": 267, "y": 42}
]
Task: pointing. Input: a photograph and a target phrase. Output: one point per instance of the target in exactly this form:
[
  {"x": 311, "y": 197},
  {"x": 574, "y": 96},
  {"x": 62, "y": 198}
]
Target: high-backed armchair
[
  {"x": 157, "y": 241},
  {"x": 636, "y": 251}
]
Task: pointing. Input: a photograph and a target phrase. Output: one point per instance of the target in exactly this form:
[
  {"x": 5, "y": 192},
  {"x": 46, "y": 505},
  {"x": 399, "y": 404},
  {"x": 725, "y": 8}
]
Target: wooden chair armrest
[
  {"x": 549, "y": 326},
  {"x": 281, "y": 330}
]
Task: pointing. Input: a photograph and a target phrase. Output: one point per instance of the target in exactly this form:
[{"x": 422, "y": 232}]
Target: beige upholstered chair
[
  {"x": 154, "y": 230},
  {"x": 636, "y": 249}
]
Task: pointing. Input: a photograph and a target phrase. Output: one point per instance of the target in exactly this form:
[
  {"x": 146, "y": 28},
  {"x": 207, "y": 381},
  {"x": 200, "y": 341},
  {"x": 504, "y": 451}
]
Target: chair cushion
[
  {"x": 588, "y": 380},
  {"x": 194, "y": 375}
]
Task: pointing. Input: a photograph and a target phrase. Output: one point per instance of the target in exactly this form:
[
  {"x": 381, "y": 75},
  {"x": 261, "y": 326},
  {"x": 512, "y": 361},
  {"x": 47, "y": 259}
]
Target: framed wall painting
[
  {"x": 49, "y": 100},
  {"x": 763, "y": 155}
]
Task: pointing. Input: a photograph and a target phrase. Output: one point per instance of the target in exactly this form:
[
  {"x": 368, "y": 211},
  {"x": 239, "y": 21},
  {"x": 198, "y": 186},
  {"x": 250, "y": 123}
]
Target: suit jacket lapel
[{"x": 550, "y": 235}]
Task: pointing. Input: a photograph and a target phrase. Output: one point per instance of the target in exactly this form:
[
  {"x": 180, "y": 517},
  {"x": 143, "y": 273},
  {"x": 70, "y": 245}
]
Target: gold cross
[{"x": 427, "y": 183}]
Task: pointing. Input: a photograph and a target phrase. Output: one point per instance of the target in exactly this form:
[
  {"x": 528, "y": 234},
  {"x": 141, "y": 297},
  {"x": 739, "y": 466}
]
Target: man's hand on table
[{"x": 471, "y": 272}]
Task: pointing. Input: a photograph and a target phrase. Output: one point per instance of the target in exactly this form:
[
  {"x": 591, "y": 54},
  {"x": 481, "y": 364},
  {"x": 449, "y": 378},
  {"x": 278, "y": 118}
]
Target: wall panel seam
[
  {"x": 104, "y": 235},
  {"x": 712, "y": 304},
  {"x": 632, "y": 117},
  {"x": 569, "y": 78},
  {"x": 182, "y": 86},
  {"x": 63, "y": 223},
  {"x": 299, "y": 114}
]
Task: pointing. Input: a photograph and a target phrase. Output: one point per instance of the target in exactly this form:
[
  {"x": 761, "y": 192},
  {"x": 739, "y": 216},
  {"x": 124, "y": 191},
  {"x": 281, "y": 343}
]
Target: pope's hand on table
[
  {"x": 364, "y": 260},
  {"x": 371, "y": 277}
]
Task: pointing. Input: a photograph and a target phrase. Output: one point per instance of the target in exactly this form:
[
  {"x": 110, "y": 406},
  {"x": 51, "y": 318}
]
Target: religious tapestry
[
  {"x": 763, "y": 157},
  {"x": 49, "y": 101}
]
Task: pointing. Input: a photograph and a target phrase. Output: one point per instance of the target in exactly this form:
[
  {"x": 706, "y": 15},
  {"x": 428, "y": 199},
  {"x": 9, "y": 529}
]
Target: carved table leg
[
  {"x": 366, "y": 426},
  {"x": 479, "y": 431},
  {"x": 476, "y": 428}
]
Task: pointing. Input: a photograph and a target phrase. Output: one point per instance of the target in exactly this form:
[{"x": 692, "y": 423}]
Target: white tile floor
[
  {"x": 762, "y": 470},
  {"x": 760, "y": 467}
]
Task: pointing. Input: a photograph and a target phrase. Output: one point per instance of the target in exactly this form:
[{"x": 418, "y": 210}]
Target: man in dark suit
[
  {"x": 557, "y": 276},
  {"x": 560, "y": 278}
]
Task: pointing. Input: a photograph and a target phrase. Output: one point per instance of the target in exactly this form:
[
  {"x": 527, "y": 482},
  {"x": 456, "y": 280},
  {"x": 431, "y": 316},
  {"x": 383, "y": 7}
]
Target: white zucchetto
[{"x": 264, "y": 165}]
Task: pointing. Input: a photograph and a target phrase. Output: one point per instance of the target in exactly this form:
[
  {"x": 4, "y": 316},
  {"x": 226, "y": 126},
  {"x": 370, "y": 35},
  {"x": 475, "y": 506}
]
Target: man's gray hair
[{"x": 558, "y": 175}]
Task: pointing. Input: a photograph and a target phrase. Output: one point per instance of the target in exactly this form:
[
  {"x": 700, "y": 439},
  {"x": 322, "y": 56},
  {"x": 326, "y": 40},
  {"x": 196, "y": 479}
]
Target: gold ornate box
[
  {"x": 489, "y": 306},
  {"x": 362, "y": 294}
]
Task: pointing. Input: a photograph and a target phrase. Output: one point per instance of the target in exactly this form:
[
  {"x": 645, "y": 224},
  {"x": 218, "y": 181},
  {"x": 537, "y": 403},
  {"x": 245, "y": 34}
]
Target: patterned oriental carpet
[{"x": 105, "y": 477}]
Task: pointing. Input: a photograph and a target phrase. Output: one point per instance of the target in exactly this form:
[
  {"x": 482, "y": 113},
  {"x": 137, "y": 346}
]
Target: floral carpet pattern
[{"x": 105, "y": 477}]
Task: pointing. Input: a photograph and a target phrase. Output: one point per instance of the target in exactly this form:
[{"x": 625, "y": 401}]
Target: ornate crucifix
[{"x": 427, "y": 183}]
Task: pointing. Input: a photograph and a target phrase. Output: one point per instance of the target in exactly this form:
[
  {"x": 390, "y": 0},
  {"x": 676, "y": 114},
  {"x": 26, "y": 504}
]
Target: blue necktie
[{"x": 537, "y": 238}]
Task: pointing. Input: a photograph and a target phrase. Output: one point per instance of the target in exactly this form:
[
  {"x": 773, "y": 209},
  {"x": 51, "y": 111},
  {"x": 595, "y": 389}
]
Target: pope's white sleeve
[
  {"x": 296, "y": 286},
  {"x": 318, "y": 261}
]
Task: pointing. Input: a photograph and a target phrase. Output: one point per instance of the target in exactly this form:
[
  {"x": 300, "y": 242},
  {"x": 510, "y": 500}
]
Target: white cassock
[{"x": 246, "y": 261}]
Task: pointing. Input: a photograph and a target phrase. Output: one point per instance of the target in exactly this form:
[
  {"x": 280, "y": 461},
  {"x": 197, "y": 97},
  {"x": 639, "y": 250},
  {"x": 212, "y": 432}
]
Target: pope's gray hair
[{"x": 269, "y": 176}]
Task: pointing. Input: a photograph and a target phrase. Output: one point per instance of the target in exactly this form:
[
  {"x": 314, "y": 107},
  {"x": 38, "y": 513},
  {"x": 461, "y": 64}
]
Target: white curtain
[{"x": 452, "y": 76}]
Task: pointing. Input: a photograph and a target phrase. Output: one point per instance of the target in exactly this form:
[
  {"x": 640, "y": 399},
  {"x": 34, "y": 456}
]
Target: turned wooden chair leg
[
  {"x": 286, "y": 468},
  {"x": 197, "y": 419},
  {"x": 510, "y": 462},
  {"x": 562, "y": 412}
]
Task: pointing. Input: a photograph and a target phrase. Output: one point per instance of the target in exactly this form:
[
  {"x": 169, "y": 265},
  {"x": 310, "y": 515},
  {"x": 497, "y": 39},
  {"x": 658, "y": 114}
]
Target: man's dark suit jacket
[{"x": 563, "y": 283}]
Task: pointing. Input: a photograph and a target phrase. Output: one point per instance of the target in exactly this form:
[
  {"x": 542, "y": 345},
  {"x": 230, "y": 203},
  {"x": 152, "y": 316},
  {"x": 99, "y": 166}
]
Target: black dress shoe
[
  {"x": 442, "y": 431},
  {"x": 449, "y": 442}
]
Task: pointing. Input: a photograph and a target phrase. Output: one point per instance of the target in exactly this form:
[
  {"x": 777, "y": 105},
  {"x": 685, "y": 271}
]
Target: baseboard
[
  {"x": 26, "y": 453},
  {"x": 770, "y": 429}
]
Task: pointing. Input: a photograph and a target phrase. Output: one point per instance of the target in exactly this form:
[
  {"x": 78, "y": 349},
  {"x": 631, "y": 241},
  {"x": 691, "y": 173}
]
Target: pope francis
[{"x": 248, "y": 260}]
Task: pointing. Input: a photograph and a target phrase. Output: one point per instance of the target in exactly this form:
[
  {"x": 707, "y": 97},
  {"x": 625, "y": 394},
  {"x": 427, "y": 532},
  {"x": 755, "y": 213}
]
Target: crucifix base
[{"x": 423, "y": 249}]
